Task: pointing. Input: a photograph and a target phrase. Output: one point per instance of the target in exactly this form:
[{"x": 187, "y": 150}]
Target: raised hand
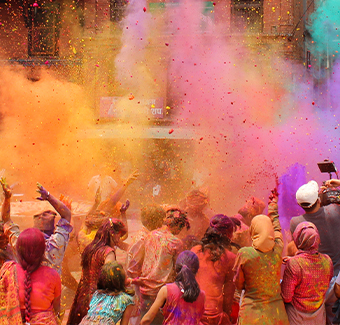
[
  {"x": 5, "y": 187},
  {"x": 44, "y": 195},
  {"x": 132, "y": 177},
  {"x": 125, "y": 206}
]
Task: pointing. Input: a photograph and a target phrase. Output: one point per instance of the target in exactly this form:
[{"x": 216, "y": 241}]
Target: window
[
  {"x": 43, "y": 29},
  {"x": 117, "y": 9},
  {"x": 247, "y": 15}
]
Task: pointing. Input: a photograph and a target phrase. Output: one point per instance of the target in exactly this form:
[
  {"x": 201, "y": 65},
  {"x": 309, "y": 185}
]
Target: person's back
[
  {"x": 257, "y": 271},
  {"x": 161, "y": 249},
  {"x": 327, "y": 221},
  {"x": 182, "y": 301},
  {"x": 111, "y": 303},
  {"x": 212, "y": 275},
  {"x": 306, "y": 278},
  {"x": 312, "y": 274},
  {"x": 45, "y": 286},
  {"x": 177, "y": 311},
  {"x": 262, "y": 272},
  {"x": 215, "y": 275}
]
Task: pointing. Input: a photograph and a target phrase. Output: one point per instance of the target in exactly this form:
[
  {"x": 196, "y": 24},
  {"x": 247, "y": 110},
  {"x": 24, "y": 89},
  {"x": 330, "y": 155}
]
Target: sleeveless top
[
  {"x": 177, "y": 311},
  {"x": 107, "y": 309}
]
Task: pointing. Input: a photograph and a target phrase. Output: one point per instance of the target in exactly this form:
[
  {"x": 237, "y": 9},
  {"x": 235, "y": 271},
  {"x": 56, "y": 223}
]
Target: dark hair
[
  {"x": 30, "y": 249},
  {"x": 112, "y": 278},
  {"x": 176, "y": 218},
  {"x": 217, "y": 238},
  {"x": 311, "y": 208},
  {"x": 152, "y": 216},
  {"x": 187, "y": 265},
  {"x": 102, "y": 239}
]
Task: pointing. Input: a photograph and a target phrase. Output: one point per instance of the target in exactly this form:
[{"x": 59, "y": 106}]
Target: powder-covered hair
[
  {"x": 30, "y": 250},
  {"x": 176, "y": 218},
  {"x": 102, "y": 239},
  {"x": 187, "y": 265},
  {"x": 112, "y": 278},
  {"x": 217, "y": 238},
  {"x": 152, "y": 216}
]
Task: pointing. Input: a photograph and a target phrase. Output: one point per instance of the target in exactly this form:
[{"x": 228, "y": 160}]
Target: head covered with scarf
[
  {"x": 262, "y": 233},
  {"x": 306, "y": 237},
  {"x": 222, "y": 224},
  {"x": 217, "y": 237}
]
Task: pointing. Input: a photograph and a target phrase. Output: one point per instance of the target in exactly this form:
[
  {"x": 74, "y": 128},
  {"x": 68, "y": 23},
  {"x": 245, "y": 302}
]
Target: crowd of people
[{"x": 181, "y": 267}]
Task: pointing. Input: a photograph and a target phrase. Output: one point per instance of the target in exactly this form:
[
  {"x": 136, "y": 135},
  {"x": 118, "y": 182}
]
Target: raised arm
[
  {"x": 59, "y": 206},
  {"x": 6, "y": 206},
  {"x": 97, "y": 200},
  {"x": 273, "y": 214},
  {"x": 114, "y": 198}
]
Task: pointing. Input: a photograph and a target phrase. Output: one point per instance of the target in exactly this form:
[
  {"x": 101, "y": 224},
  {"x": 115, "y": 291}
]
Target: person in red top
[
  {"x": 182, "y": 300},
  {"x": 31, "y": 288},
  {"x": 215, "y": 275},
  {"x": 306, "y": 278}
]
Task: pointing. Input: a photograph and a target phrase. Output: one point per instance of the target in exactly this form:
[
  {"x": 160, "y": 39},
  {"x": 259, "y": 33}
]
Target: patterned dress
[
  {"x": 106, "y": 309},
  {"x": 87, "y": 286}
]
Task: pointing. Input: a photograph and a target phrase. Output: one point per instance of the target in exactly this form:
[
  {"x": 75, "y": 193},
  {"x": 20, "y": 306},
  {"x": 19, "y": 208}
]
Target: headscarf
[
  {"x": 262, "y": 233},
  {"x": 306, "y": 237},
  {"x": 222, "y": 224}
]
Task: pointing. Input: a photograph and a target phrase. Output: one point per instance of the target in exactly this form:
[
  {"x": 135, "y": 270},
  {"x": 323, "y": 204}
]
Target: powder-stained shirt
[
  {"x": 46, "y": 286},
  {"x": 55, "y": 244},
  {"x": 161, "y": 251},
  {"x": 306, "y": 280},
  {"x": 135, "y": 254}
]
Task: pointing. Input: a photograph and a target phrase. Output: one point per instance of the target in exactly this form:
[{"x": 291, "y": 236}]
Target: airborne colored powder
[
  {"x": 324, "y": 28},
  {"x": 241, "y": 112}
]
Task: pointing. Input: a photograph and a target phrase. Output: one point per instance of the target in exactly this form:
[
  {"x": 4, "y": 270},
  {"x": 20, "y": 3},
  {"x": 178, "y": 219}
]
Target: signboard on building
[{"x": 109, "y": 106}]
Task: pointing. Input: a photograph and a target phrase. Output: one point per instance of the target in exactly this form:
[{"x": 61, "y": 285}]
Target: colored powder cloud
[{"x": 324, "y": 28}]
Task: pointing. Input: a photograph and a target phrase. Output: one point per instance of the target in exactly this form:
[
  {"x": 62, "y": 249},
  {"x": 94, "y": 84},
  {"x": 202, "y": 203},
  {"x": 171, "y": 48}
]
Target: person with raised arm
[
  {"x": 257, "y": 271},
  {"x": 56, "y": 237},
  {"x": 101, "y": 211}
]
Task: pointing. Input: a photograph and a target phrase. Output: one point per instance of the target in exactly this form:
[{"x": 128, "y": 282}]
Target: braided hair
[
  {"x": 187, "y": 265},
  {"x": 30, "y": 249},
  {"x": 218, "y": 236},
  {"x": 102, "y": 239}
]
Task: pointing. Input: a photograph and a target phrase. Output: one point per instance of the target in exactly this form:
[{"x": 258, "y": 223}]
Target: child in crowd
[
  {"x": 111, "y": 302},
  {"x": 182, "y": 300}
]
